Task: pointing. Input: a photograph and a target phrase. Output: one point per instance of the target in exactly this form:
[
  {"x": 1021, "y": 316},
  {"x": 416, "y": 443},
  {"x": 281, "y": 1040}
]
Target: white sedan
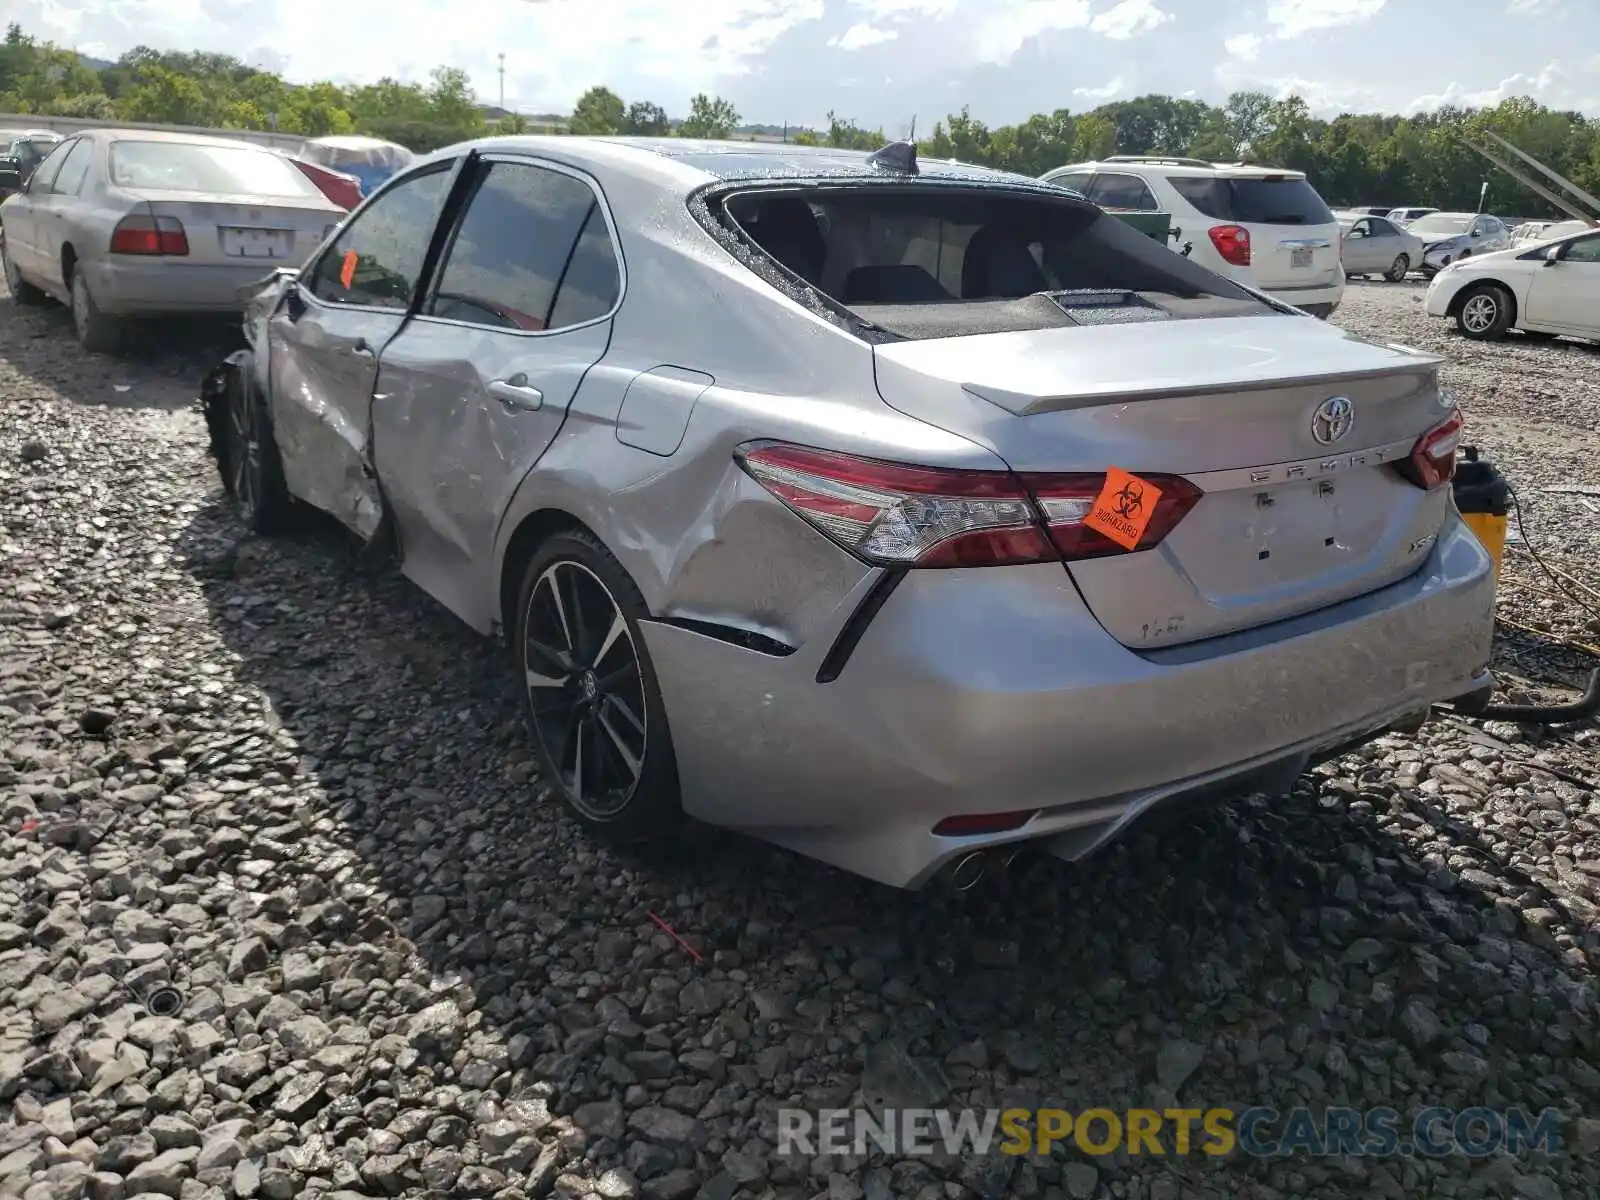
[{"x": 1552, "y": 288}]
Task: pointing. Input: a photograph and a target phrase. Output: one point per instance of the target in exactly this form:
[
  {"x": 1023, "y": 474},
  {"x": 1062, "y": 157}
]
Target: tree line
[{"x": 1355, "y": 158}]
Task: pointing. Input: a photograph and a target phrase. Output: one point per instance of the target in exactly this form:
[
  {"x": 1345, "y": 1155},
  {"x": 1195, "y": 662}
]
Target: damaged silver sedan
[{"x": 892, "y": 512}]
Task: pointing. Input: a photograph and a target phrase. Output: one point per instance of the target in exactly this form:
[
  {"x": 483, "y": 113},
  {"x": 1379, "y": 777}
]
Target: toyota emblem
[{"x": 1333, "y": 419}]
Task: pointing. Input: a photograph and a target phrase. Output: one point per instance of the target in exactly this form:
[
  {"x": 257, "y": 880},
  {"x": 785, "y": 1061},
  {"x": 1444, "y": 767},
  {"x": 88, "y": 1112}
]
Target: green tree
[
  {"x": 645, "y": 119},
  {"x": 1095, "y": 137},
  {"x": 163, "y": 96},
  {"x": 709, "y": 117},
  {"x": 850, "y": 136},
  {"x": 316, "y": 111},
  {"x": 598, "y": 111},
  {"x": 451, "y": 103},
  {"x": 511, "y": 124}
]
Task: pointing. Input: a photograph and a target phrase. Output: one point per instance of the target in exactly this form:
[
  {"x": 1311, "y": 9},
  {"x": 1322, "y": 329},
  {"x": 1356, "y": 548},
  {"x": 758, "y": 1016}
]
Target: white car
[
  {"x": 1259, "y": 226},
  {"x": 1553, "y": 288},
  {"x": 1448, "y": 237},
  {"x": 1404, "y": 216},
  {"x": 1546, "y": 231}
]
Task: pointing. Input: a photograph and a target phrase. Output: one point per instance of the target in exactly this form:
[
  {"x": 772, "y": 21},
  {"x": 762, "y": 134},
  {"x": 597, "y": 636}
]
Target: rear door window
[
  {"x": 1122, "y": 191},
  {"x": 377, "y": 258},
  {"x": 532, "y": 253},
  {"x": 1078, "y": 181},
  {"x": 44, "y": 176},
  {"x": 73, "y": 168}
]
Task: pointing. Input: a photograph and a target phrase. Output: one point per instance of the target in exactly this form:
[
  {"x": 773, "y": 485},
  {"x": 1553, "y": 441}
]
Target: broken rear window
[{"x": 940, "y": 261}]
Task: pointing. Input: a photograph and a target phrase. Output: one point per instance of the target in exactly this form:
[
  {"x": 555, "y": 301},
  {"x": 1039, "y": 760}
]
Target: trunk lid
[
  {"x": 241, "y": 230},
  {"x": 1285, "y": 257},
  {"x": 1287, "y": 524}
]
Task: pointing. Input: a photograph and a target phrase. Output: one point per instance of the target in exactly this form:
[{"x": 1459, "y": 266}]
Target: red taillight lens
[
  {"x": 1433, "y": 459},
  {"x": 1233, "y": 243},
  {"x": 149, "y": 235},
  {"x": 893, "y": 514},
  {"x": 1066, "y": 500}
]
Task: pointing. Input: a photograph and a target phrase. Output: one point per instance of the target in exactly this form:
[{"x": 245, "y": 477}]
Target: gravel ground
[{"x": 289, "y": 797}]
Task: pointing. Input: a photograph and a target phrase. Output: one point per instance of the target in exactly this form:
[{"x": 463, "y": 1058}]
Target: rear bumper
[
  {"x": 996, "y": 690},
  {"x": 1321, "y": 300},
  {"x": 155, "y": 286}
]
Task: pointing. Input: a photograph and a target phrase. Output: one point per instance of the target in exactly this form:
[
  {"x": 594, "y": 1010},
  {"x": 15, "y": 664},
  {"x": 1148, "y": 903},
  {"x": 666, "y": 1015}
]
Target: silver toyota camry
[{"x": 891, "y": 512}]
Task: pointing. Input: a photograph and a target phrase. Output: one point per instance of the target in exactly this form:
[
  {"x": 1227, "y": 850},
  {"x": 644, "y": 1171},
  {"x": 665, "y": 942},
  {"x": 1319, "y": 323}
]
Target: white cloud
[
  {"x": 936, "y": 9},
  {"x": 554, "y": 51},
  {"x": 1536, "y": 86},
  {"x": 1007, "y": 27},
  {"x": 1100, "y": 93},
  {"x": 861, "y": 35},
  {"x": 1519, "y": 8},
  {"x": 1245, "y": 47},
  {"x": 1293, "y": 18},
  {"x": 1128, "y": 19}
]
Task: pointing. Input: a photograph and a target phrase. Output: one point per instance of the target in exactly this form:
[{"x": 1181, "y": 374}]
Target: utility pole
[
  {"x": 502, "y": 83},
  {"x": 912, "y": 137}
]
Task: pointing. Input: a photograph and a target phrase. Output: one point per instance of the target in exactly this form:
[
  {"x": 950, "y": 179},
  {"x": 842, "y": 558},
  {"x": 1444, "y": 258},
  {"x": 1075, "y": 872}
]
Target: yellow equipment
[{"x": 1484, "y": 500}]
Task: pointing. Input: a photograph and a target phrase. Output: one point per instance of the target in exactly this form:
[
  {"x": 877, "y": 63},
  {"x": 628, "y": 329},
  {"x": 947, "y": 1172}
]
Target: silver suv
[{"x": 1260, "y": 226}]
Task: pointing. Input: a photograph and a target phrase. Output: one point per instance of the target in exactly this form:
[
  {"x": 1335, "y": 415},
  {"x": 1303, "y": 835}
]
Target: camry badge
[{"x": 1333, "y": 419}]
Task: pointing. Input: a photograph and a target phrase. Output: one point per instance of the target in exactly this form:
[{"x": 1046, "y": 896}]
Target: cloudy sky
[{"x": 883, "y": 61}]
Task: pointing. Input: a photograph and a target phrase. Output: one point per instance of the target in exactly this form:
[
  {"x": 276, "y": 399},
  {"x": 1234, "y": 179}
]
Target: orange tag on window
[
  {"x": 347, "y": 269},
  {"x": 1123, "y": 508}
]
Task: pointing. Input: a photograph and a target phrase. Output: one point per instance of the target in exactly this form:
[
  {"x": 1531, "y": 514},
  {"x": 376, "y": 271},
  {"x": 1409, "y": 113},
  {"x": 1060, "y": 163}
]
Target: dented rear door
[
  {"x": 325, "y": 339},
  {"x": 477, "y": 385}
]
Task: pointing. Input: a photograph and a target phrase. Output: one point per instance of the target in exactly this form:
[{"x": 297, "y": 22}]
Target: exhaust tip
[{"x": 968, "y": 871}]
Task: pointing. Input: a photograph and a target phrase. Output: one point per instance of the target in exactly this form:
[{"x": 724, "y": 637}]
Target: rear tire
[
  {"x": 1484, "y": 313},
  {"x": 1399, "y": 269},
  {"x": 97, "y": 332},
  {"x": 594, "y": 708},
  {"x": 22, "y": 292}
]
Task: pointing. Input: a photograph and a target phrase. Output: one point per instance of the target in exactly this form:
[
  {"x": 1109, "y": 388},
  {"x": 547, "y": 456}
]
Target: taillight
[
  {"x": 893, "y": 514},
  {"x": 1432, "y": 462},
  {"x": 1066, "y": 500},
  {"x": 149, "y": 235},
  {"x": 1233, "y": 243}
]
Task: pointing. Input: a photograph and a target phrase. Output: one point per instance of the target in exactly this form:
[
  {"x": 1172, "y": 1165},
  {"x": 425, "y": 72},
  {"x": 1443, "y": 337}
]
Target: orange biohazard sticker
[
  {"x": 1123, "y": 508},
  {"x": 347, "y": 269}
]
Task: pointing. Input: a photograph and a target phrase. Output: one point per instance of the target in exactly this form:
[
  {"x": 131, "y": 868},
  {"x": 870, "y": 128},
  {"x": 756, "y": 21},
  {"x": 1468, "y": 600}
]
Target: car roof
[
  {"x": 700, "y": 161},
  {"x": 1183, "y": 169},
  {"x": 115, "y": 134}
]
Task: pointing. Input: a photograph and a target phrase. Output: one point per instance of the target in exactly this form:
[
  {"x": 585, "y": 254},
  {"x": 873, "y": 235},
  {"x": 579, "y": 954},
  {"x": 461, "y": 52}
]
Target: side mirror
[{"x": 1552, "y": 256}]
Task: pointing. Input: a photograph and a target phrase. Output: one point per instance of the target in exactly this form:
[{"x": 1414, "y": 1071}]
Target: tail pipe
[{"x": 973, "y": 867}]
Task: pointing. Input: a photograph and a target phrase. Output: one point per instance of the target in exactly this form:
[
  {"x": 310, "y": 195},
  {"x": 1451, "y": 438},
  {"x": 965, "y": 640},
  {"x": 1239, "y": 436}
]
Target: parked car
[
  {"x": 1449, "y": 237},
  {"x": 370, "y": 160},
  {"x": 1377, "y": 246},
  {"x": 1259, "y": 226},
  {"x": 121, "y": 223},
  {"x": 1548, "y": 289},
  {"x": 1404, "y": 216},
  {"x": 781, "y": 519},
  {"x": 344, "y": 190},
  {"x": 21, "y": 150},
  {"x": 1544, "y": 231}
]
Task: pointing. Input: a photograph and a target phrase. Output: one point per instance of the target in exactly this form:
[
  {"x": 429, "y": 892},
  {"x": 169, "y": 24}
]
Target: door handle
[
  {"x": 361, "y": 349},
  {"x": 516, "y": 392}
]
